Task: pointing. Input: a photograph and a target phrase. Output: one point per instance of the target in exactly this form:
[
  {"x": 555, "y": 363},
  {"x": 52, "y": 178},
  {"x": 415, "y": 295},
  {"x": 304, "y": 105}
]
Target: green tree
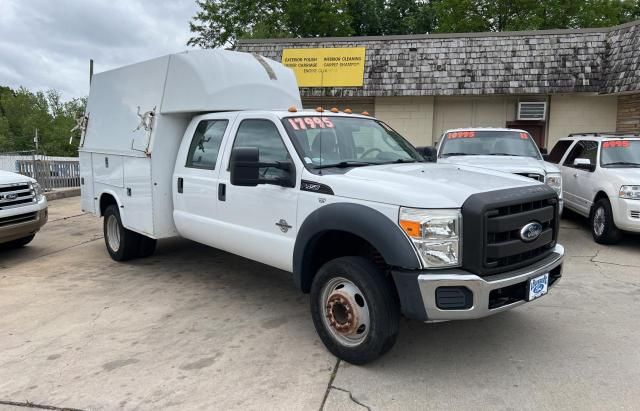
[{"x": 22, "y": 112}]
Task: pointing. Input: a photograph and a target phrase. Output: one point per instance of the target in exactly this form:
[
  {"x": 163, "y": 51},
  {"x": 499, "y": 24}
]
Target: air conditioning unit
[{"x": 532, "y": 110}]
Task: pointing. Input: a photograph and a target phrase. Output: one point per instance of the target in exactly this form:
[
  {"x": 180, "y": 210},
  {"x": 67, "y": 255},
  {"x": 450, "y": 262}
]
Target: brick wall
[{"x": 628, "y": 113}]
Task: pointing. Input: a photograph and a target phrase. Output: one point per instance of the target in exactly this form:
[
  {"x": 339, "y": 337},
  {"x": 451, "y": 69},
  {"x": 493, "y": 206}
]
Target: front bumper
[
  {"x": 626, "y": 214},
  {"x": 489, "y": 295},
  {"x": 28, "y": 221}
]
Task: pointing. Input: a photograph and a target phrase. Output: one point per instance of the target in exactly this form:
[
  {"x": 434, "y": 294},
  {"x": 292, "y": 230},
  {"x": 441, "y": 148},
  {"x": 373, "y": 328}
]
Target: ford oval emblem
[
  {"x": 11, "y": 196},
  {"x": 531, "y": 231},
  {"x": 538, "y": 287}
]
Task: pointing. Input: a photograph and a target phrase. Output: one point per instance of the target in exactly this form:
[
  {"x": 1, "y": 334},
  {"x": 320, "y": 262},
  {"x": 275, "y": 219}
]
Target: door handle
[
  {"x": 222, "y": 192},
  {"x": 180, "y": 185}
]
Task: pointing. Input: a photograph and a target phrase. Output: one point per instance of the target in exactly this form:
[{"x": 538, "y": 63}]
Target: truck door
[
  {"x": 260, "y": 222},
  {"x": 578, "y": 182},
  {"x": 195, "y": 178}
]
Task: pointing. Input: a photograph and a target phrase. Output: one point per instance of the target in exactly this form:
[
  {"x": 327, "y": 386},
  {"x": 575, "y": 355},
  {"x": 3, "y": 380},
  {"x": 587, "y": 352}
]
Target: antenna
[{"x": 321, "y": 111}]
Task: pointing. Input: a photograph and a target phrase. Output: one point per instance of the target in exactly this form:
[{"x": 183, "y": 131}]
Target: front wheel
[
  {"x": 355, "y": 309},
  {"x": 21, "y": 242},
  {"x": 603, "y": 228}
]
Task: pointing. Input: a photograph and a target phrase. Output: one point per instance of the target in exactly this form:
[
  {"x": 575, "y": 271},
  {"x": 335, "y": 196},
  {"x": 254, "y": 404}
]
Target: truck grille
[
  {"x": 16, "y": 195},
  {"x": 17, "y": 219},
  {"x": 535, "y": 176},
  {"x": 492, "y": 223}
]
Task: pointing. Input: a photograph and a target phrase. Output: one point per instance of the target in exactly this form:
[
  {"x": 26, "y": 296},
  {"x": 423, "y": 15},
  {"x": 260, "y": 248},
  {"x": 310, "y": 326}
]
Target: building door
[{"x": 535, "y": 128}]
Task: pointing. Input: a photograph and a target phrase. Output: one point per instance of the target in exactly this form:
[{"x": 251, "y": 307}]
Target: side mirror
[
  {"x": 545, "y": 156},
  {"x": 429, "y": 153},
  {"x": 584, "y": 164},
  {"x": 245, "y": 168},
  {"x": 544, "y": 151}
]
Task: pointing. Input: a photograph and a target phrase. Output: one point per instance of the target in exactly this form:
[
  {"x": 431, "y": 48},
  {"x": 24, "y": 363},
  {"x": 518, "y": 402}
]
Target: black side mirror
[
  {"x": 429, "y": 153},
  {"x": 544, "y": 151},
  {"x": 545, "y": 156},
  {"x": 245, "y": 168}
]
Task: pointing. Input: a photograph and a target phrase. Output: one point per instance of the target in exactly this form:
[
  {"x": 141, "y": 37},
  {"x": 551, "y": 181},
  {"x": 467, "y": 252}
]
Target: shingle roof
[{"x": 536, "y": 62}]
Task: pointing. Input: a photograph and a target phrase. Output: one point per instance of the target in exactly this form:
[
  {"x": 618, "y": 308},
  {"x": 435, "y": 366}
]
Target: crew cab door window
[
  {"x": 558, "y": 151},
  {"x": 205, "y": 145},
  {"x": 264, "y": 135}
]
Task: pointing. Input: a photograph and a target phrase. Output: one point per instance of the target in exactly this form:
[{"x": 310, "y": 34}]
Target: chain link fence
[{"x": 50, "y": 172}]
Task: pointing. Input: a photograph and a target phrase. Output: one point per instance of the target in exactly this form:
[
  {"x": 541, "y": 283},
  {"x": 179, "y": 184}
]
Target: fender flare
[
  {"x": 110, "y": 193},
  {"x": 356, "y": 219}
]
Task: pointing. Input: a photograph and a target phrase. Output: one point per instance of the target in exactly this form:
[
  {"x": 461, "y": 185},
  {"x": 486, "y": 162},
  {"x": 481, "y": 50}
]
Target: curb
[{"x": 65, "y": 193}]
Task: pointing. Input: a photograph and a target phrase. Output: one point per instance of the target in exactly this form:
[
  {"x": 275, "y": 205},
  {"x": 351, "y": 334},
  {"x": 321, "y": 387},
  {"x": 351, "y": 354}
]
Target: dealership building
[{"x": 551, "y": 82}]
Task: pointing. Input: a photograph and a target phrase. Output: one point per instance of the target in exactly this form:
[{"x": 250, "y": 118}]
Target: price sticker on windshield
[
  {"x": 616, "y": 144},
  {"x": 304, "y": 123},
  {"x": 461, "y": 134},
  {"x": 524, "y": 136}
]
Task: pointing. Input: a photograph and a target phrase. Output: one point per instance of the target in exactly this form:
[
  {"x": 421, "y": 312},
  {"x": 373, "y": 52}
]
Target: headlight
[
  {"x": 37, "y": 190},
  {"x": 435, "y": 233},
  {"x": 630, "y": 192},
  {"x": 554, "y": 180}
]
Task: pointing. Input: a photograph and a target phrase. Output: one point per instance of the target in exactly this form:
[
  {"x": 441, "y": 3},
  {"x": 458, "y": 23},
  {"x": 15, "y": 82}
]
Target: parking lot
[{"x": 196, "y": 328}]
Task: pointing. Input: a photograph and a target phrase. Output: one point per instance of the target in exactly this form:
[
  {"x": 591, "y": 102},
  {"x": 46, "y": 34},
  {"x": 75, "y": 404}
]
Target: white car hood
[
  {"x": 7, "y": 177},
  {"x": 625, "y": 176},
  {"x": 507, "y": 164},
  {"x": 421, "y": 185}
]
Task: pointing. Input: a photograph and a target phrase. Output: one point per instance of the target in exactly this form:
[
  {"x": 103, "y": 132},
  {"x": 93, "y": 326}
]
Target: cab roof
[
  {"x": 499, "y": 129},
  {"x": 599, "y": 134}
]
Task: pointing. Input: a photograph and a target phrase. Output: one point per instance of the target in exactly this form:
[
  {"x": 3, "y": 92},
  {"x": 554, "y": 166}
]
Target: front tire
[
  {"x": 19, "y": 243},
  {"x": 355, "y": 309},
  {"x": 122, "y": 244},
  {"x": 603, "y": 228}
]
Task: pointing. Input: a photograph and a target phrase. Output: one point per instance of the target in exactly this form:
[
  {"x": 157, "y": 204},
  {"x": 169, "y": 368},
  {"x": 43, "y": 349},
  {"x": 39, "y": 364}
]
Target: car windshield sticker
[
  {"x": 616, "y": 144},
  {"x": 303, "y": 123},
  {"x": 461, "y": 134}
]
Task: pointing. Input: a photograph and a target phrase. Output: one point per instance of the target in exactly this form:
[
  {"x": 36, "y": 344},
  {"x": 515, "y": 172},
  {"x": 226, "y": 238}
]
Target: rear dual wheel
[
  {"x": 355, "y": 309},
  {"x": 123, "y": 244}
]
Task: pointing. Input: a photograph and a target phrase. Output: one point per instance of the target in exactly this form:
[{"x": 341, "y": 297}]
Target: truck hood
[
  {"x": 624, "y": 176},
  {"x": 507, "y": 164},
  {"x": 420, "y": 185},
  {"x": 7, "y": 177}
]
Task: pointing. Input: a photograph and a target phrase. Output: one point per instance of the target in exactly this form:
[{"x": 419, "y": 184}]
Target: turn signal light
[
  {"x": 348, "y": 110},
  {"x": 293, "y": 109},
  {"x": 412, "y": 228},
  {"x": 319, "y": 109},
  {"x": 365, "y": 113},
  {"x": 334, "y": 110}
]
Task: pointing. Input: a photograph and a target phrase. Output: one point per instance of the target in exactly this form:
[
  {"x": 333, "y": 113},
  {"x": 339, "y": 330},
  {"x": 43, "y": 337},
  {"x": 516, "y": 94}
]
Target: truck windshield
[
  {"x": 332, "y": 141},
  {"x": 620, "y": 153},
  {"x": 488, "y": 143}
]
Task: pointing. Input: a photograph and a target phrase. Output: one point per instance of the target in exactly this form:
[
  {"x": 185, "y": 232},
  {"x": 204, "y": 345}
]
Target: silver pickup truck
[{"x": 23, "y": 209}]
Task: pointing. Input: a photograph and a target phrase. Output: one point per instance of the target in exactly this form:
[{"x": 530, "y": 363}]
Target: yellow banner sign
[{"x": 326, "y": 67}]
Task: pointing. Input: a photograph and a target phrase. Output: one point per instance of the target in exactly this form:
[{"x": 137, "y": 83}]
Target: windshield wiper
[
  {"x": 504, "y": 154},
  {"x": 345, "y": 164},
  {"x": 457, "y": 154},
  {"x": 399, "y": 161},
  {"x": 622, "y": 163}
]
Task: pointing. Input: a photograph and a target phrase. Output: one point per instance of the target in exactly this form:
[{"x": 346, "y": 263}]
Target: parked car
[
  {"x": 23, "y": 209},
  {"x": 601, "y": 173},
  {"x": 223, "y": 155},
  {"x": 501, "y": 149}
]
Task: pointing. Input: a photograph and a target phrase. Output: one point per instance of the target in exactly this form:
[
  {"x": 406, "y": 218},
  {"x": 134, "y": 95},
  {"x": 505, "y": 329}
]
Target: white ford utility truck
[
  {"x": 213, "y": 146},
  {"x": 500, "y": 149},
  {"x": 602, "y": 181},
  {"x": 23, "y": 209}
]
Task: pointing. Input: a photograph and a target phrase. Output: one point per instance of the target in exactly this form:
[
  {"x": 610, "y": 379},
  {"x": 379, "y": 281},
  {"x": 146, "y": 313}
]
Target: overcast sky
[{"x": 48, "y": 43}]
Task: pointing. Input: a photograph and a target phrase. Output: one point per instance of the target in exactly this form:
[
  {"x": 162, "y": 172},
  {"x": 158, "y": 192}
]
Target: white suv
[
  {"x": 500, "y": 149},
  {"x": 601, "y": 173}
]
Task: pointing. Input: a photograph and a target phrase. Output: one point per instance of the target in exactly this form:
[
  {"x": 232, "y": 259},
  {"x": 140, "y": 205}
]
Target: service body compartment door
[
  {"x": 137, "y": 213},
  {"x": 86, "y": 183},
  {"x": 196, "y": 191},
  {"x": 108, "y": 169}
]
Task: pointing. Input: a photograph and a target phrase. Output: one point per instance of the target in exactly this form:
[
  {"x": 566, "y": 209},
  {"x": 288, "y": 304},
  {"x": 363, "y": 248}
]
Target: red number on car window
[
  {"x": 616, "y": 144},
  {"x": 310, "y": 122},
  {"x": 293, "y": 124},
  {"x": 327, "y": 122}
]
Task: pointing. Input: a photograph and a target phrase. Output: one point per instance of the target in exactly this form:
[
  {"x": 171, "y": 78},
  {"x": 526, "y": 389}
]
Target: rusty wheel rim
[{"x": 345, "y": 311}]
